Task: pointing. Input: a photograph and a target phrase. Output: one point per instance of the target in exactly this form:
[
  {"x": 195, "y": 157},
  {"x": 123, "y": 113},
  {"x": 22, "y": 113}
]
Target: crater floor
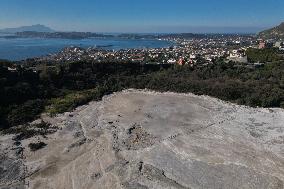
[{"x": 142, "y": 139}]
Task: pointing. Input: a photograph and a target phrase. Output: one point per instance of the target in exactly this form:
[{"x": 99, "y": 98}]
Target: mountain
[
  {"x": 276, "y": 32},
  {"x": 35, "y": 28}
]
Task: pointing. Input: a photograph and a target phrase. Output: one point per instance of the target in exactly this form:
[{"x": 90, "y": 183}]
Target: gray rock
[{"x": 142, "y": 140}]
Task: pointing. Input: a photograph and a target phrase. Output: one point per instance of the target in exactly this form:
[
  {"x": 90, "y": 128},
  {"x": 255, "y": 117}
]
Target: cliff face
[
  {"x": 276, "y": 32},
  {"x": 141, "y": 139}
]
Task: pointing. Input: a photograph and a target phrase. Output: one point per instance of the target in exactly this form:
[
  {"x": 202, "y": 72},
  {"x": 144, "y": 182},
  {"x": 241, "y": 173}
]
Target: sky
[{"x": 144, "y": 16}]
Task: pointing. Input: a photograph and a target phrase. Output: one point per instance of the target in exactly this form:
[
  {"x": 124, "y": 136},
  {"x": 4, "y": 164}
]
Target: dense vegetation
[
  {"x": 263, "y": 55},
  {"x": 62, "y": 87}
]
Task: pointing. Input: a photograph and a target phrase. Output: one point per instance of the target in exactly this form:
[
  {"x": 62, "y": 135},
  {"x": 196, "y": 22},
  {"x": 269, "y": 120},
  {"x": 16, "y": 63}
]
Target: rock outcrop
[{"x": 142, "y": 139}]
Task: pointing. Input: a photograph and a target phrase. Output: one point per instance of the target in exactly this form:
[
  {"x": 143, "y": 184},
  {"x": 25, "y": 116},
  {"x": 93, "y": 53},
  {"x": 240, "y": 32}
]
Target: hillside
[
  {"x": 148, "y": 140},
  {"x": 276, "y": 32},
  {"x": 34, "y": 28},
  {"x": 62, "y": 87}
]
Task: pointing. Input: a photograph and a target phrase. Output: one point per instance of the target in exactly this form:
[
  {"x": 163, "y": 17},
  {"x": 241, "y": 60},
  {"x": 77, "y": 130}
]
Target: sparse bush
[
  {"x": 28, "y": 131},
  {"x": 37, "y": 146}
]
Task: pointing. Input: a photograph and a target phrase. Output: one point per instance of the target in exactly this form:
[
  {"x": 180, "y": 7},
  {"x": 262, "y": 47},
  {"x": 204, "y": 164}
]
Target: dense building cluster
[
  {"x": 185, "y": 51},
  {"x": 192, "y": 51}
]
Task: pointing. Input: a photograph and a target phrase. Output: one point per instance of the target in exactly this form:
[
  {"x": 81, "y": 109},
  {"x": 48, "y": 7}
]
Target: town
[{"x": 200, "y": 50}]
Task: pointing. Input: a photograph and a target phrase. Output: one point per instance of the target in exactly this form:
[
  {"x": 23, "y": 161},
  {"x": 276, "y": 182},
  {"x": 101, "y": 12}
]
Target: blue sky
[{"x": 144, "y": 15}]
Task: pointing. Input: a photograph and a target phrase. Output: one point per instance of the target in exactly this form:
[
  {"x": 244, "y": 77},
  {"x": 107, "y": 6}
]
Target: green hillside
[{"x": 276, "y": 32}]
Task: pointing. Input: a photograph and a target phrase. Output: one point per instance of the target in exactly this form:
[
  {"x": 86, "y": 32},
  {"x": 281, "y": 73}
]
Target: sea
[{"x": 16, "y": 49}]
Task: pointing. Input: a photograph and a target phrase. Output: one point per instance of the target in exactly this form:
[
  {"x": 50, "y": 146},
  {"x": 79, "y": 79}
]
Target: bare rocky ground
[{"x": 141, "y": 139}]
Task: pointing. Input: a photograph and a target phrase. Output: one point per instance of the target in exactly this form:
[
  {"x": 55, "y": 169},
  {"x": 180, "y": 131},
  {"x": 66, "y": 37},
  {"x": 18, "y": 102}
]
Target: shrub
[
  {"x": 26, "y": 112},
  {"x": 27, "y": 131},
  {"x": 37, "y": 146}
]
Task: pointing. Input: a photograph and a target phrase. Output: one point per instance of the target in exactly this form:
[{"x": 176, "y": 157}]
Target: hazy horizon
[
  {"x": 203, "y": 16},
  {"x": 189, "y": 29}
]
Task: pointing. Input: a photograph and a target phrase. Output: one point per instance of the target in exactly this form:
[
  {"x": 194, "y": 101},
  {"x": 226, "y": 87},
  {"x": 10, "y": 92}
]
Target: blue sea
[{"x": 22, "y": 48}]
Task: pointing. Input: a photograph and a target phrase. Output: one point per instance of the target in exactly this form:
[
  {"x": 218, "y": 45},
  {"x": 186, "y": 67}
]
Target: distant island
[
  {"x": 59, "y": 35},
  {"x": 86, "y": 35},
  {"x": 42, "y": 31},
  {"x": 34, "y": 28}
]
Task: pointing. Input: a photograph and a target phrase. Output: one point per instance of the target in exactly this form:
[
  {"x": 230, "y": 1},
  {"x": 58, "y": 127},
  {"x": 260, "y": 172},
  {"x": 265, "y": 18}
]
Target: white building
[{"x": 238, "y": 56}]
